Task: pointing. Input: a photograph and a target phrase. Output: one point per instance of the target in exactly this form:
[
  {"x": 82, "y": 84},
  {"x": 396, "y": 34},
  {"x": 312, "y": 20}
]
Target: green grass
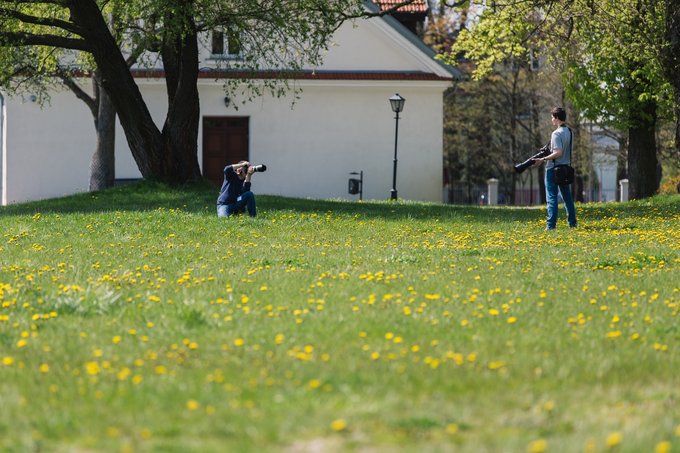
[{"x": 136, "y": 320}]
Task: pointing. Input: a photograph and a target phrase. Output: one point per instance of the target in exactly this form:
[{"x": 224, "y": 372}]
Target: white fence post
[
  {"x": 624, "y": 189},
  {"x": 493, "y": 191}
]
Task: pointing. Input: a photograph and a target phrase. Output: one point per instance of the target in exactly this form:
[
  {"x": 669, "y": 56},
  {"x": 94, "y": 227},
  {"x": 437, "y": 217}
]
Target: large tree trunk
[
  {"x": 642, "y": 160},
  {"x": 157, "y": 156},
  {"x": 180, "y": 131},
  {"x": 671, "y": 58},
  {"x": 103, "y": 164}
]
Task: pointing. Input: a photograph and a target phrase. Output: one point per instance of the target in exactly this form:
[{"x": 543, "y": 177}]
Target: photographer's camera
[{"x": 545, "y": 151}]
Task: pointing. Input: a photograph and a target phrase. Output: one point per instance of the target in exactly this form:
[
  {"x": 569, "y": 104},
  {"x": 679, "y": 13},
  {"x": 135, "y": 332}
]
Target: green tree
[
  {"x": 275, "y": 35},
  {"x": 609, "y": 54}
]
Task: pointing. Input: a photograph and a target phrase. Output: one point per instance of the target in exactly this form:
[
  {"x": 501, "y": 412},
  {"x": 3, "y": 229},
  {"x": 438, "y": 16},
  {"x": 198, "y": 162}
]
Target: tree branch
[
  {"x": 41, "y": 20},
  {"x": 80, "y": 94},
  {"x": 27, "y": 39},
  {"x": 64, "y": 3}
]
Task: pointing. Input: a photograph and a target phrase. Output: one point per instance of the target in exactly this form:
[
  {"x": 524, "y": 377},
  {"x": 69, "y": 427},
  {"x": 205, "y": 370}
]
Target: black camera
[
  {"x": 545, "y": 151},
  {"x": 259, "y": 168}
]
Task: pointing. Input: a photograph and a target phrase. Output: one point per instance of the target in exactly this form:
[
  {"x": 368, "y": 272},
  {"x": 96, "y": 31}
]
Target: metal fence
[{"x": 477, "y": 194}]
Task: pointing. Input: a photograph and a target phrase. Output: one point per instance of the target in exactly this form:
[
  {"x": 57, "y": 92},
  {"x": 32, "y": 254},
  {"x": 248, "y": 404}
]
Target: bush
[{"x": 670, "y": 185}]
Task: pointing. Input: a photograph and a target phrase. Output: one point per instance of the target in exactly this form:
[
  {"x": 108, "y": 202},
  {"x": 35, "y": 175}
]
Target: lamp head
[{"x": 397, "y": 103}]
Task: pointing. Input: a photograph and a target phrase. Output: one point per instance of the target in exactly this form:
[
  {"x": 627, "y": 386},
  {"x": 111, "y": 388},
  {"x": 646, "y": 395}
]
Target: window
[{"x": 225, "y": 44}]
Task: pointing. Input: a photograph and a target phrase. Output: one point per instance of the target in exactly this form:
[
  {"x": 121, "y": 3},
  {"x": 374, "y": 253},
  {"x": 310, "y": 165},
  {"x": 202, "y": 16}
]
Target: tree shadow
[{"x": 200, "y": 198}]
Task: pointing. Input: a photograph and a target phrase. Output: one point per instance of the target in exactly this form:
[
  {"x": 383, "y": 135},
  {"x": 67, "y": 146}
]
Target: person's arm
[
  {"x": 246, "y": 182},
  {"x": 556, "y": 154},
  {"x": 240, "y": 165}
]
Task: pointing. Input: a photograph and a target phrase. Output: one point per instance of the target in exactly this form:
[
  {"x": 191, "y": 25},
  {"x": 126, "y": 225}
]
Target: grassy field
[{"x": 136, "y": 320}]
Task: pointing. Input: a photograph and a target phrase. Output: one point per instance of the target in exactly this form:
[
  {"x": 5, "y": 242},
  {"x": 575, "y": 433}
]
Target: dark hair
[{"x": 559, "y": 113}]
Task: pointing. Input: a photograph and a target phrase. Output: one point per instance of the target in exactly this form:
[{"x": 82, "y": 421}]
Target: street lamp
[{"x": 397, "y": 103}]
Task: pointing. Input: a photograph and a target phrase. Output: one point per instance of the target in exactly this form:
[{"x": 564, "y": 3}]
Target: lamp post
[{"x": 397, "y": 103}]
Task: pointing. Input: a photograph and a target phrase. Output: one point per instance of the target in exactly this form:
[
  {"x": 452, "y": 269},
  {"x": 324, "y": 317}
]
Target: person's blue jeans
[
  {"x": 245, "y": 202},
  {"x": 551, "y": 194}
]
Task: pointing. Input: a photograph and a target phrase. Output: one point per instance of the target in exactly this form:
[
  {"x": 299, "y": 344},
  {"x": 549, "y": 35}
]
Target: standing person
[
  {"x": 235, "y": 195},
  {"x": 560, "y": 147}
]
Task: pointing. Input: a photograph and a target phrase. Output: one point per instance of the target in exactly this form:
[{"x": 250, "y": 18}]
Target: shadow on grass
[{"x": 200, "y": 199}]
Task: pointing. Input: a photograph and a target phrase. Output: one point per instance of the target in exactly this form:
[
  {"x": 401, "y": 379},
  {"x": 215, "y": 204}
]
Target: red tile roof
[{"x": 418, "y": 6}]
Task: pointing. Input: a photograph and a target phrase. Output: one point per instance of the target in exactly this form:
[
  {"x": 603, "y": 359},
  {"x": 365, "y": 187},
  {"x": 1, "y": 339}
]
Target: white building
[{"x": 341, "y": 123}]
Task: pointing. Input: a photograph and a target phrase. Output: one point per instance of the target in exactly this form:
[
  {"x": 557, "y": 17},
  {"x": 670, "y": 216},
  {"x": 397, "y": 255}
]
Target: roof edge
[{"x": 301, "y": 75}]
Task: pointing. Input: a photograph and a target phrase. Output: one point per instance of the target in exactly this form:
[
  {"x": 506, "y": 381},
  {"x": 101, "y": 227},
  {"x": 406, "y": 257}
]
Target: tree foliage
[{"x": 609, "y": 54}]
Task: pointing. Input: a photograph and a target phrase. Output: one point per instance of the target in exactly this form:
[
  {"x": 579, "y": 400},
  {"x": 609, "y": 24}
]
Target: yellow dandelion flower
[
  {"x": 339, "y": 425},
  {"x": 496, "y": 365},
  {"x": 7, "y": 361},
  {"x": 239, "y": 342},
  {"x": 614, "y": 439},
  {"x": 538, "y": 446},
  {"x": 92, "y": 368},
  {"x": 192, "y": 405},
  {"x": 123, "y": 374},
  {"x": 512, "y": 319},
  {"x": 663, "y": 447},
  {"x": 44, "y": 368},
  {"x": 452, "y": 428}
]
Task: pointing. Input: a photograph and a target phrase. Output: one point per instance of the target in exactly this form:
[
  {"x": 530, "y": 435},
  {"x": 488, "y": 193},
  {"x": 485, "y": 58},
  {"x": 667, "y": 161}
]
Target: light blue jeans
[
  {"x": 551, "y": 195},
  {"x": 245, "y": 201}
]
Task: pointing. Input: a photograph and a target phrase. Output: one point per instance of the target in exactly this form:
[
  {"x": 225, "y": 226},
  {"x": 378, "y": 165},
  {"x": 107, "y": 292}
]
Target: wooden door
[{"x": 225, "y": 142}]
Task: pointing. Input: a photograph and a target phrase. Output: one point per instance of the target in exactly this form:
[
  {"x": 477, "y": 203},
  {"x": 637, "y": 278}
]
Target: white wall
[
  {"x": 47, "y": 150},
  {"x": 336, "y": 127}
]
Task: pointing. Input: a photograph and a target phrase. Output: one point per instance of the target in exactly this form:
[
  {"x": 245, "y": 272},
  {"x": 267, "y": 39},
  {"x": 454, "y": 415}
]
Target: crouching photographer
[{"x": 235, "y": 195}]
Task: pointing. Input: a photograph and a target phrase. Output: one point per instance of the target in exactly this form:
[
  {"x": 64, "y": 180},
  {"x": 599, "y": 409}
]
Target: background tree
[
  {"x": 493, "y": 122},
  {"x": 277, "y": 35},
  {"x": 610, "y": 62}
]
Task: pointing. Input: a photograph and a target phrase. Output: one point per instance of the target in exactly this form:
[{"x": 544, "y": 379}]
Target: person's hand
[
  {"x": 538, "y": 162},
  {"x": 251, "y": 170}
]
